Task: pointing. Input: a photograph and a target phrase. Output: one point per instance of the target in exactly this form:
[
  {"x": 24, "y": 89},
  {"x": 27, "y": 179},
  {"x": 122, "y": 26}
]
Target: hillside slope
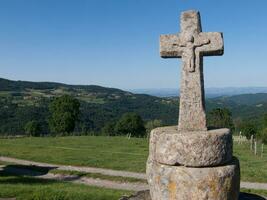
[{"x": 23, "y": 101}]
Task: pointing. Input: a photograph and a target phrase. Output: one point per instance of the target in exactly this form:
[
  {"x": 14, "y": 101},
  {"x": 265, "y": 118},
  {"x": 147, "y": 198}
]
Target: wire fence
[{"x": 257, "y": 147}]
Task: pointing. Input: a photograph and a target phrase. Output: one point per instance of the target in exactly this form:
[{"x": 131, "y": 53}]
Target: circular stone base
[
  {"x": 196, "y": 149},
  {"x": 183, "y": 183}
]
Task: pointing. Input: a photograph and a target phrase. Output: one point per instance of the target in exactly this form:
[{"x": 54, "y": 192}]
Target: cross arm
[
  {"x": 215, "y": 45},
  {"x": 171, "y": 46}
]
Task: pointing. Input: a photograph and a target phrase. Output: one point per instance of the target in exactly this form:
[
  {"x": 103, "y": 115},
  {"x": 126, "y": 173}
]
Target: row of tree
[
  {"x": 64, "y": 115},
  {"x": 65, "y": 112}
]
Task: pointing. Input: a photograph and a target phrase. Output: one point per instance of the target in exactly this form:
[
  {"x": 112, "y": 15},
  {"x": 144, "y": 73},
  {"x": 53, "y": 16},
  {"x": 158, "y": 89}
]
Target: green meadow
[{"x": 119, "y": 153}]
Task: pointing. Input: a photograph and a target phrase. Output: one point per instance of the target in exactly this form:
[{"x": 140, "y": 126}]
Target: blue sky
[{"x": 115, "y": 43}]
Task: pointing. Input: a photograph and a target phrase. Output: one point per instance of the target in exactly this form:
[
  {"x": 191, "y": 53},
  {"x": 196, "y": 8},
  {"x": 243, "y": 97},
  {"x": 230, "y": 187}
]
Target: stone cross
[{"x": 191, "y": 45}]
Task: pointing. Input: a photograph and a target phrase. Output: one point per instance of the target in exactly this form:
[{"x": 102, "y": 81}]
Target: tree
[
  {"x": 150, "y": 125},
  {"x": 265, "y": 120},
  {"x": 130, "y": 123},
  {"x": 220, "y": 118},
  {"x": 248, "y": 129},
  {"x": 64, "y": 113},
  {"x": 32, "y": 128},
  {"x": 109, "y": 129}
]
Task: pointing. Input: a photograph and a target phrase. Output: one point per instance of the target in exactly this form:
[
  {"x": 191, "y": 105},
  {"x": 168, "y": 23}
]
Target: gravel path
[
  {"x": 74, "y": 168},
  {"x": 98, "y": 182},
  {"x": 256, "y": 186},
  {"x": 76, "y": 179}
]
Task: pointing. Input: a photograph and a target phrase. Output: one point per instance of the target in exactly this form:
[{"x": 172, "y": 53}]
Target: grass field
[
  {"x": 27, "y": 188},
  {"x": 117, "y": 153}
]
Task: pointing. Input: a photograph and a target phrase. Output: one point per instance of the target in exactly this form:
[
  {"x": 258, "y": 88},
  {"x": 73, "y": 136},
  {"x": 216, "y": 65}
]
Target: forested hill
[
  {"x": 245, "y": 106},
  {"x": 20, "y": 86},
  {"x": 22, "y": 101},
  {"x": 25, "y": 101},
  {"x": 244, "y": 99}
]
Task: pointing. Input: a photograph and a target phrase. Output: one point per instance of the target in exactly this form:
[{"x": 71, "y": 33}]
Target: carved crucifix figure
[
  {"x": 188, "y": 55},
  {"x": 191, "y": 45}
]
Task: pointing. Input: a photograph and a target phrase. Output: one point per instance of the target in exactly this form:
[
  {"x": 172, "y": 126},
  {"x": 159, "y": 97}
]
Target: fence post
[
  {"x": 251, "y": 143},
  {"x": 255, "y": 148},
  {"x": 262, "y": 150}
]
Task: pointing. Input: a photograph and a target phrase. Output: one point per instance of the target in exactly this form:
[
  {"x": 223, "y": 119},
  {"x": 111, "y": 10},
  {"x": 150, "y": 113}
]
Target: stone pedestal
[{"x": 213, "y": 173}]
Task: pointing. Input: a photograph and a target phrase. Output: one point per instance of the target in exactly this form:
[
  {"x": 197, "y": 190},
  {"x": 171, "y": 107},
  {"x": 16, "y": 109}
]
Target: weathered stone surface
[
  {"x": 197, "y": 149},
  {"x": 184, "y": 183},
  {"x": 191, "y": 45}
]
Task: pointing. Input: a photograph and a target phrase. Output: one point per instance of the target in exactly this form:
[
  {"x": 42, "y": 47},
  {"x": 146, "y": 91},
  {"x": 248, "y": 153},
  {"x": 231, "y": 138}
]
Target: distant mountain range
[{"x": 210, "y": 92}]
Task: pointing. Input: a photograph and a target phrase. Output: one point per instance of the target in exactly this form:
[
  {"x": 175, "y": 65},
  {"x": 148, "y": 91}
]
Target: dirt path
[
  {"x": 76, "y": 179},
  {"x": 256, "y": 186},
  {"x": 109, "y": 172},
  {"x": 98, "y": 182}
]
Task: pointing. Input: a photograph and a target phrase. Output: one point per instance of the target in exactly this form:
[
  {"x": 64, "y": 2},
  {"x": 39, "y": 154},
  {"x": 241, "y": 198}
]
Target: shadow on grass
[
  {"x": 22, "y": 174},
  {"x": 247, "y": 196},
  {"x": 25, "y": 170},
  {"x": 32, "y": 174}
]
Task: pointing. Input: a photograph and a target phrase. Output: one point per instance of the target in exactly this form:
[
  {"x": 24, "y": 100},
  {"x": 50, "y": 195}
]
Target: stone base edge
[
  {"x": 195, "y": 149},
  {"x": 183, "y": 183}
]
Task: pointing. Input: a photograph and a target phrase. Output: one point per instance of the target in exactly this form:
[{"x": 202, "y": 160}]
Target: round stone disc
[
  {"x": 184, "y": 183},
  {"x": 195, "y": 149}
]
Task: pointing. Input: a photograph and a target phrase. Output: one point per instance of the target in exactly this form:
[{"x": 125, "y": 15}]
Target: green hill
[
  {"x": 245, "y": 99},
  {"x": 245, "y": 106},
  {"x": 23, "y": 101}
]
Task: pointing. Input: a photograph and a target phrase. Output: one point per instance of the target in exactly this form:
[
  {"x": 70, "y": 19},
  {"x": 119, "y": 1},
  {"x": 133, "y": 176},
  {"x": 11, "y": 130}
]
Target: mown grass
[
  {"x": 117, "y": 153},
  {"x": 107, "y": 152},
  {"x": 27, "y": 188},
  {"x": 99, "y": 176},
  {"x": 253, "y": 167}
]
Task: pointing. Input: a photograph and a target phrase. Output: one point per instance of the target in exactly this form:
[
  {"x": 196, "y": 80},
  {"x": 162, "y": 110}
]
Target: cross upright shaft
[{"x": 191, "y": 45}]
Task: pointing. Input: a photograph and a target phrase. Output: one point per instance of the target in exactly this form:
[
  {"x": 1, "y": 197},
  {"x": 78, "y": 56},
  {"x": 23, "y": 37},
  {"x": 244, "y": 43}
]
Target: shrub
[
  {"x": 108, "y": 129},
  {"x": 249, "y": 129},
  {"x": 32, "y": 128},
  {"x": 220, "y": 118},
  {"x": 130, "y": 123}
]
